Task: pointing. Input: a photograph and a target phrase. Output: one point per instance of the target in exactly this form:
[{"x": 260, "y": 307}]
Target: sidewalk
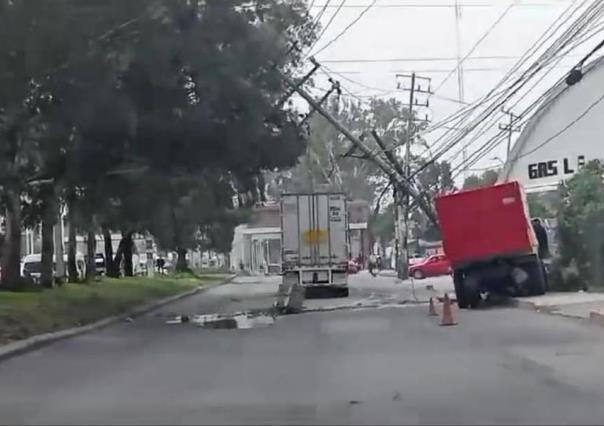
[{"x": 580, "y": 305}]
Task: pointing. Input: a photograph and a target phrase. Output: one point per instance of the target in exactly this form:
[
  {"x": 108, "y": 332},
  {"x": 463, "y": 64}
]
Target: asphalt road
[{"x": 392, "y": 365}]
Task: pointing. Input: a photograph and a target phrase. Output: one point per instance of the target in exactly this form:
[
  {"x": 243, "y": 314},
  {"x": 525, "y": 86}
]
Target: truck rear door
[{"x": 314, "y": 229}]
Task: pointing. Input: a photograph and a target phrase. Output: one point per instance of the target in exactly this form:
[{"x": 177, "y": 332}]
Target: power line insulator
[{"x": 575, "y": 76}]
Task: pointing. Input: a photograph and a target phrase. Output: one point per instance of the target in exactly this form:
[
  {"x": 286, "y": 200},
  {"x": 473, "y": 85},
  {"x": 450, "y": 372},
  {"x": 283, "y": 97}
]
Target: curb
[
  {"x": 523, "y": 304},
  {"x": 19, "y": 347},
  {"x": 596, "y": 317}
]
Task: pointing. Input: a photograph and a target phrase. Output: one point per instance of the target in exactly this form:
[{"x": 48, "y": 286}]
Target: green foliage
[
  {"x": 182, "y": 92},
  {"x": 24, "y": 314},
  {"x": 382, "y": 225},
  {"x": 581, "y": 223},
  {"x": 543, "y": 205},
  {"x": 487, "y": 178}
]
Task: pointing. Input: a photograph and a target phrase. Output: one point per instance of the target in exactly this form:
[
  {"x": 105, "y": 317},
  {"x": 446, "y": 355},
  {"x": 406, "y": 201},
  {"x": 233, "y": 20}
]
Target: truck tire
[
  {"x": 459, "y": 290},
  {"x": 418, "y": 274},
  {"x": 537, "y": 278},
  {"x": 466, "y": 290}
]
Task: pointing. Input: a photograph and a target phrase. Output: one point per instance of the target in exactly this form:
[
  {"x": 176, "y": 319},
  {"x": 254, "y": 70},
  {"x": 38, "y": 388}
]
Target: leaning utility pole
[
  {"x": 403, "y": 184},
  {"x": 511, "y": 128},
  {"x": 413, "y": 88}
]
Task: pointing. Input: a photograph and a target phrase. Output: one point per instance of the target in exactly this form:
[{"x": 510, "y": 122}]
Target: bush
[
  {"x": 565, "y": 278},
  {"x": 581, "y": 229}
]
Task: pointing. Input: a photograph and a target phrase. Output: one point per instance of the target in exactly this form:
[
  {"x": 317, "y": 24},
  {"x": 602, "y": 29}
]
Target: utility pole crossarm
[
  {"x": 388, "y": 153},
  {"x": 510, "y": 127}
]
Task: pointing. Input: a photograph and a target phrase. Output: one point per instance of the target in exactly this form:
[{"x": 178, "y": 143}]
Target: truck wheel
[
  {"x": 545, "y": 277},
  {"x": 537, "y": 278},
  {"x": 467, "y": 288},
  {"x": 459, "y": 290}
]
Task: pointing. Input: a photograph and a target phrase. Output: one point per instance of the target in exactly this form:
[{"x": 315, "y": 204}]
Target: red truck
[{"x": 489, "y": 240}]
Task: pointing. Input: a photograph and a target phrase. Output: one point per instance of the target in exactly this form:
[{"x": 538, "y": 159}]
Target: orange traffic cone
[
  {"x": 447, "y": 312},
  {"x": 432, "y": 309}
]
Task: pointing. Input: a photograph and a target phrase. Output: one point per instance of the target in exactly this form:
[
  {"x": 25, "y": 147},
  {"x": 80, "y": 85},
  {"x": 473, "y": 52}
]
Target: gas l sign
[{"x": 549, "y": 168}]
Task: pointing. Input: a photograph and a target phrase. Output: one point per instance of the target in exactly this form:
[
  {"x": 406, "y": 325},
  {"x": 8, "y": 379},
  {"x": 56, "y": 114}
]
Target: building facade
[{"x": 564, "y": 134}]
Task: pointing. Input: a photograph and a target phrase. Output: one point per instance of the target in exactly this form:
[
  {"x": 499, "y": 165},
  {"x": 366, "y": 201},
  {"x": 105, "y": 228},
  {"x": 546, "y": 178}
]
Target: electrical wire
[
  {"x": 445, "y": 6},
  {"x": 542, "y": 101},
  {"x": 593, "y": 11},
  {"x": 331, "y": 19},
  {"x": 476, "y": 45},
  {"x": 345, "y": 30}
]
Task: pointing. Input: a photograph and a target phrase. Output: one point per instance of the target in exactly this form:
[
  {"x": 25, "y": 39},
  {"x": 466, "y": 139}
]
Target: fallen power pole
[{"x": 402, "y": 184}]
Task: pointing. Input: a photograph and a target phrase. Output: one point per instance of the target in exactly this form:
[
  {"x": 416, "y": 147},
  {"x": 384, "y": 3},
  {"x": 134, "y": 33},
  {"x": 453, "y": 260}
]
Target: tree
[
  {"x": 581, "y": 223},
  {"x": 174, "y": 87},
  {"x": 487, "y": 178}
]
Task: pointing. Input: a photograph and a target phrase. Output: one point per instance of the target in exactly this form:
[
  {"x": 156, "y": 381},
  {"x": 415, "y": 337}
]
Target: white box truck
[{"x": 314, "y": 244}]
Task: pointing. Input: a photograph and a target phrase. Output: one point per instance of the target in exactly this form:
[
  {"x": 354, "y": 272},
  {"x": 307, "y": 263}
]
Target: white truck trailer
[{"x": 314, "y": 244}]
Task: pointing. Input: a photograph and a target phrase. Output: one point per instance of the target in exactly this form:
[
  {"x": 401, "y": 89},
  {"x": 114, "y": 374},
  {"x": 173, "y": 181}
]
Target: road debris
[{"x": 239, "y": 320}]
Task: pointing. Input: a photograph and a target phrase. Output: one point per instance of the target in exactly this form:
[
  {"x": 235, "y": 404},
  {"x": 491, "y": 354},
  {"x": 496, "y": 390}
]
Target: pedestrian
[
  {"x": 372, "y": 264},
  {"x": 542, "y": 239}
]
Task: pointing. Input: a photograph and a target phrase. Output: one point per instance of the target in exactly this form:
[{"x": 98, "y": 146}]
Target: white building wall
[{"x": 563, "y": 135}]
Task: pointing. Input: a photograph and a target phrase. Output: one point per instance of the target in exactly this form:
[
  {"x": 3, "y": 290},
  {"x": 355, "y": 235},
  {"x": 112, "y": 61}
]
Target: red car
[{"x": 432, "y": 266}]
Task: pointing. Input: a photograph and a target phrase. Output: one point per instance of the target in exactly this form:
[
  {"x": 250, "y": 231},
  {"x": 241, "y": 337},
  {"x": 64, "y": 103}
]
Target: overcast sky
[{"x": 401, "y": 36}]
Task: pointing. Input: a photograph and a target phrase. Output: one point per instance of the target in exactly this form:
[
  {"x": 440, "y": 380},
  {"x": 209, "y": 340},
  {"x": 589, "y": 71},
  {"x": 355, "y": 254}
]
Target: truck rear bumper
[{"x": 319, "y": 277}]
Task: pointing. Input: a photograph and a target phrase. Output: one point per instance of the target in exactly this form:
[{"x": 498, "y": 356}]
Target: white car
[{"x": 31, "y": 266}]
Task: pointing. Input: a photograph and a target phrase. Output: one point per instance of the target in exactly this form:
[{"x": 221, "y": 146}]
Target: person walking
[{"x": 372, "y": 264}]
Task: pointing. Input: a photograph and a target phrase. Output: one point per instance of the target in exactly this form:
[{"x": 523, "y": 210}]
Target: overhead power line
[
  {"x": 345, "y": 30},
  {"x": 331, "y": 19},
  {"x": 475, "y": 46},
  {"x": 541, "y": 102},
  {"x": 416, "y": 59},
  {"x": 442, "y": 5},
  {"x": 586, "y": 18}
]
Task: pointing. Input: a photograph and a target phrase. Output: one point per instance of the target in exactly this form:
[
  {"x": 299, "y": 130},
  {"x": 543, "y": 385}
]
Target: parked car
[
  {"x": 31, "y": 266},
  {"x": 100, "y": 264},
  {"x": 432, "y": 266},
  {"x": 414, "y": 260}
]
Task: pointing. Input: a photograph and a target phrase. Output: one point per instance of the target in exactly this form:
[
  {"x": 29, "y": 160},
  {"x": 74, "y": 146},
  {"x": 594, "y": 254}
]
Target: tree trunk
[
  {"x": 72, "y": 267},
  {"x": 48, "y": 221},
  {"x": 128, "y": 245},
  {"x": 11, "y": 262},
  {"x": 109, "y": 264},
  {"x": 58, "y": 241},
  {"x": 181, "y": 262},
  {"x": 91, "y": 254},
  {"x": 117, "y": 260}
]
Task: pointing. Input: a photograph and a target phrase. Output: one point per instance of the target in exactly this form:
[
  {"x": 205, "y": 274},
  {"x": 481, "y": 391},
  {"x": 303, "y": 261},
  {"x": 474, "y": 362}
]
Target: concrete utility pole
[
  {"x": 415, "y": 87},
  {"x": 510, "y": 128}
]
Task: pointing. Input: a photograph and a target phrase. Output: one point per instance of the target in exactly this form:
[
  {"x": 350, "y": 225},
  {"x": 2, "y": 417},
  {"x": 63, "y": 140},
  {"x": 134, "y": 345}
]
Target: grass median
[{"x": 25, "y": 314}]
